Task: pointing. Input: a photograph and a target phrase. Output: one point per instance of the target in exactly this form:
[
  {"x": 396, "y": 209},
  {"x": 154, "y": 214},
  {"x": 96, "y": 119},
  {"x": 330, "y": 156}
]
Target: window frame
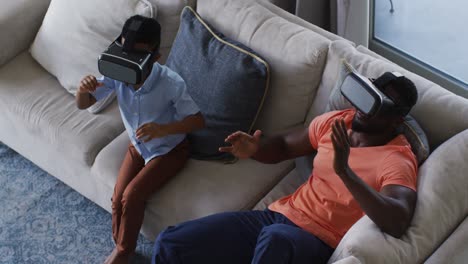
[{"x": 412, "y": 64}]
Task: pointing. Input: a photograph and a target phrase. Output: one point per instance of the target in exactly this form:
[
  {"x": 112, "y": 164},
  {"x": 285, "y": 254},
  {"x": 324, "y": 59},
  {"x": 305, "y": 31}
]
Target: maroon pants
[{"x": 135, "y": 184}]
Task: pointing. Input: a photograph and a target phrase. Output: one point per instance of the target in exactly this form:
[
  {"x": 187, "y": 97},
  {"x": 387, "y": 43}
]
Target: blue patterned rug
[{"x": 43, "y": 220}]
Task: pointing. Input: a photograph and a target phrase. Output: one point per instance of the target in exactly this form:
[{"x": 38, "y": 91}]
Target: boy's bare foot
[
  {"x": 114, "y": 252},
  {"x": 116, "y": 258}
]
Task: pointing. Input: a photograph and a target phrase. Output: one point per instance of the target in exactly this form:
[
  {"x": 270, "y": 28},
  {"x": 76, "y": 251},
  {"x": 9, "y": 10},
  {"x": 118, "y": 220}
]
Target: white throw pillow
[{"x": 74, "y": 33}]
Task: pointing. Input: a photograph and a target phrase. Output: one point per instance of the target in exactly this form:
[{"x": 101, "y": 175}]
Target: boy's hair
[
  {"x": 148, "y": 33},
  {"x": 407, "y": 91}
]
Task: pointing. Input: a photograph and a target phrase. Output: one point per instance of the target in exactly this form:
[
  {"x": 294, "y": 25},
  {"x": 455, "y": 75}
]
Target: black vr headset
[
  {"x": 124, "y": 63},
  {"x": 365, "y": 95}
]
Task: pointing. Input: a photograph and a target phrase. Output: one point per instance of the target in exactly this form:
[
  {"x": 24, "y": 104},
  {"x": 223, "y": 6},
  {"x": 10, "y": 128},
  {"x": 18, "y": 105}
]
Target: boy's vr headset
[
  {"x": 366, "y": 96},
  {"x": 124, "y": 63}
]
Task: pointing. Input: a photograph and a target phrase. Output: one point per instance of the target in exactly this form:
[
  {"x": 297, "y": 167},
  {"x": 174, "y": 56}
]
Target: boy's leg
[
  {"x": 131, "y": 165},
  {"x": 220, "y": 238},
  {"x": 284, "y": 243},
  {"x": 147, "y": 181}
]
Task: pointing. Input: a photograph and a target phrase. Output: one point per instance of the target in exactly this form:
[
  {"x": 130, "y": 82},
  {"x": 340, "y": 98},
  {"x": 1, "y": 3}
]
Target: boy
[{"x": 157, "y": 113}]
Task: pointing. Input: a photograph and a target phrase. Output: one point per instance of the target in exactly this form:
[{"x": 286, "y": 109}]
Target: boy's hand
[
  {"x": 243, "y": 145},
  {"x": 151, "y": 131},
  {"x": 89, "y": 84}
]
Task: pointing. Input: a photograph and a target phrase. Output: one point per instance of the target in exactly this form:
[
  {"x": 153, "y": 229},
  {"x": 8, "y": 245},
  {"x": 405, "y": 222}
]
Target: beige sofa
[{"x": 40, "y": 121}]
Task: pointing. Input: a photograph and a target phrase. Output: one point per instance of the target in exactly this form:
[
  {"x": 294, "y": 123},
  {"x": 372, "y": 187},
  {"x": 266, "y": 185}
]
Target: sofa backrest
[
  {"x": 296, "y": 56},
  {"x": 168, "y": 15},
  {"x": 275, "y": 7},
  {"x": 440, "y": 113},
  {"x": 19, "y": 23}
]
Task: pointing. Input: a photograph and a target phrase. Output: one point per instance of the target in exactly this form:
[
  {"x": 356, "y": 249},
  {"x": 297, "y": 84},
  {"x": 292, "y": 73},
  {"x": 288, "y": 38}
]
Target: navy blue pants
[{"x": 239, "y": 237}]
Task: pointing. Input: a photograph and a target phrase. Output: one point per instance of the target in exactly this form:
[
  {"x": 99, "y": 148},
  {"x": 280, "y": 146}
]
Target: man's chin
[{"x": 364, "y": 128}]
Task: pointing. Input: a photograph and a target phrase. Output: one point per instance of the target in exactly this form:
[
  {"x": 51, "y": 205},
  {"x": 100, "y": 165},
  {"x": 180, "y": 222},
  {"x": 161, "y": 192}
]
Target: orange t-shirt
[{"x": 323, "y": 205}]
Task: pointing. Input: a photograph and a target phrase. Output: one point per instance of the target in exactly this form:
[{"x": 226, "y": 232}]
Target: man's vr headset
[
  {"x": 366, "y": 96},
  {"x": 124, "y": 63}
]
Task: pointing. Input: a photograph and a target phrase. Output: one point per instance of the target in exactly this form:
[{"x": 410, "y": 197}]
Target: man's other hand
[{"x": 243, "y": 145}]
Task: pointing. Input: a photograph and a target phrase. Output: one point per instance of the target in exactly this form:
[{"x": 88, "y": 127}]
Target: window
[{"x": 428, "y": 37}]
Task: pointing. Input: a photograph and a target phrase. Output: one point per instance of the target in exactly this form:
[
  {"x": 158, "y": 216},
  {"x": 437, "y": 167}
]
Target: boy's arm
[
  {"x": 87, "y": 94},
  {"x": 185, "y": 110},
  {"x": 84, "y": 99},
  {"x": 187, "y": 125},
  {"x": 150, "y": 131}
]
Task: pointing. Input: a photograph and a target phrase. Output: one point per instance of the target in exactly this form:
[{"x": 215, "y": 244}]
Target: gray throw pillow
[
  {"x": 227, "y": 81},
  {"x": 410, "y": 128}
]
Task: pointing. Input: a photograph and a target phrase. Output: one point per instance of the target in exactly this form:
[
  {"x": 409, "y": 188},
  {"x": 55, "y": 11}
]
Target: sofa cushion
[
  {"x": 296, "y": 56},
  {"x": 35, "y": 100},
  {"x": 442, "y": 205},
  {"x": 227, "y": 81},
  {"x": 410, "y": 128},
  {"x": 74, "y": 33},
  {"x": 200, "y": 189},
  {"x": 440, "y": 113}
]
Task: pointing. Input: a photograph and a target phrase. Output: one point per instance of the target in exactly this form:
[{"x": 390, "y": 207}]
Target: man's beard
[{"x": 367, "y": 128}]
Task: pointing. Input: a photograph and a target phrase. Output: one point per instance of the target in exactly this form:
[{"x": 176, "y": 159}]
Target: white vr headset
[
  {"x": 122, "y": 62},
  {"x": 365, "y": 95}
]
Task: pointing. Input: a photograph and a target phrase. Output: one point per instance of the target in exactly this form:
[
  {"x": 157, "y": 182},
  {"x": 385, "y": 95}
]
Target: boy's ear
[{"x": 157, "y": 57}]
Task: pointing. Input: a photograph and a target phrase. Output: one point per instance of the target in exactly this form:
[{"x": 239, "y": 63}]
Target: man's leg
[
  {"x": 289, "y": 244},
  {"x": 150, "y": 178},
  {"x": 220, "y": 238}
]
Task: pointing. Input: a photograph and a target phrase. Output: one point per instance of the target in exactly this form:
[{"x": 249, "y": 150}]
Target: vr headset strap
[
  {"x": 386, "y": 79},
  {"x": 131, "y": 35}
]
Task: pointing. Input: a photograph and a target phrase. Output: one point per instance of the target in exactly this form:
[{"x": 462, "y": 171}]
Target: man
[{"x": 362, "y": 167}]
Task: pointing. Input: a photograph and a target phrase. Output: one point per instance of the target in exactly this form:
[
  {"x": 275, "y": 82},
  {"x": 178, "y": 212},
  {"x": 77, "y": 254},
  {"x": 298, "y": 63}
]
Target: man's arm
[
  {"x": 392, "y": 209},
  {"x": 286, "y": 146}
]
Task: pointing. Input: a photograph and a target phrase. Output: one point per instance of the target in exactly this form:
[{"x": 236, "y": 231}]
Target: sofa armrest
[
  {"x": 454, "y": 249},
  {"x": 19, "y": 22},
  {"x": 441, "y": 206}
]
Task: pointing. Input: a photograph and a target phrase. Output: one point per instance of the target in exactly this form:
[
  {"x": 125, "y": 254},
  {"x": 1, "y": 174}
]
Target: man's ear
[{"x": 398, "y": 121}]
